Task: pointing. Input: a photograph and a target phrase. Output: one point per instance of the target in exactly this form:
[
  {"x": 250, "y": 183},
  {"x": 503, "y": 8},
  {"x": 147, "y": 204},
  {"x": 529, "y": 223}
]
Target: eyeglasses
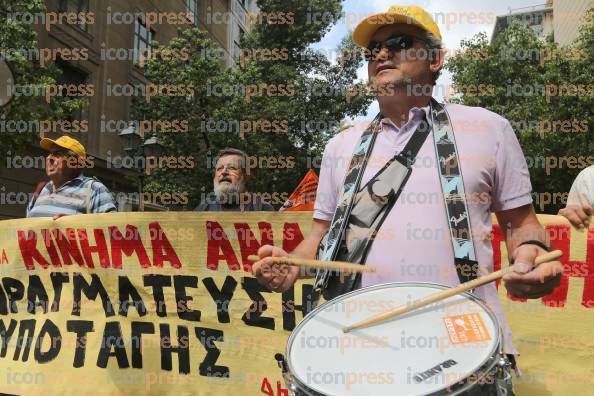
[
  {"x": 230, "y": 168},
  {"x": 393, "y": 44},
  {"x": 62, "y": 153}
]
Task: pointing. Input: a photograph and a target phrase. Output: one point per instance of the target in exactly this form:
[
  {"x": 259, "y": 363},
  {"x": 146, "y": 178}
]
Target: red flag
[{"x": 304, "y": 196}]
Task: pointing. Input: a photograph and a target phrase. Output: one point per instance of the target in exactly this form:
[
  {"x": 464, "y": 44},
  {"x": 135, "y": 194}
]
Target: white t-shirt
[{"x": 582, "y": 189}]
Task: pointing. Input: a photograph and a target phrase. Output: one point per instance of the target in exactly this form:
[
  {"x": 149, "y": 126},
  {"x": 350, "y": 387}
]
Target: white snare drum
[{"x": 451, "y": 347}]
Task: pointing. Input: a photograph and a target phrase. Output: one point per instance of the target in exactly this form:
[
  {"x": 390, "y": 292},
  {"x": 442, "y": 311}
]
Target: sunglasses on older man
[{"x": 394, "y": 43}]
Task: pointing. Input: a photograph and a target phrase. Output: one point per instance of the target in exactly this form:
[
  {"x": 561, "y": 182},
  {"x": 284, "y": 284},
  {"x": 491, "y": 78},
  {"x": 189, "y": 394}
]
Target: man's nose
[{"x": 383, "y": 54}]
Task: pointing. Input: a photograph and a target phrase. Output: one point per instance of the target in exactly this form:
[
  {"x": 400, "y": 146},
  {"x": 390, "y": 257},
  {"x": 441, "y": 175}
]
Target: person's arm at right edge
[
  {"x": 279, "y": 278},
  {"x": 579, "y": 209}
]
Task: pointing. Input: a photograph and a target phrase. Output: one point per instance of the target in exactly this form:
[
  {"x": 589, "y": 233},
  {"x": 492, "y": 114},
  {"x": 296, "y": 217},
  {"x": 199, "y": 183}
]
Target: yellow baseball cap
[
  {"x": 411, "y": 15},
  {"x": 65, "y": 142}
]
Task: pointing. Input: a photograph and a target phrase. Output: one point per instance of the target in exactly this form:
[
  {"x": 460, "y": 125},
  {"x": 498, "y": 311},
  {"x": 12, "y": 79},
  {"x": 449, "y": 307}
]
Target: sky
[{"x": 457, "y": 19}]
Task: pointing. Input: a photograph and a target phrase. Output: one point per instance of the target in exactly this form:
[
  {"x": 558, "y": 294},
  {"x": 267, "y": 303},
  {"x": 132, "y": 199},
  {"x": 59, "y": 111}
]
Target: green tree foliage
[
  {"x": 279, "y": 79},
  {"x": 547, "y": 93},
  {"x": 200, "y": 71},
  {"x": 18, "y": 46}
]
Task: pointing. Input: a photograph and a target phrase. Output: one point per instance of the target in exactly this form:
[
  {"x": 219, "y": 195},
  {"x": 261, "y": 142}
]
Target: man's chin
[{"x": 389, "y": 86}]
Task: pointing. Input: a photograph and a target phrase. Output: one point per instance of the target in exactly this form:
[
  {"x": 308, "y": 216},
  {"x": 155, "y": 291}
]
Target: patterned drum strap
[
  {"x": 452, "y": 187},
  {"x": 351, "y": 185}
]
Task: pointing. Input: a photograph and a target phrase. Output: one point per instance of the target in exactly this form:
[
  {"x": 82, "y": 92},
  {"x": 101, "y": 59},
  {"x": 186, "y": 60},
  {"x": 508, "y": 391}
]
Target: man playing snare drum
[{"x": 427, "y": 216}]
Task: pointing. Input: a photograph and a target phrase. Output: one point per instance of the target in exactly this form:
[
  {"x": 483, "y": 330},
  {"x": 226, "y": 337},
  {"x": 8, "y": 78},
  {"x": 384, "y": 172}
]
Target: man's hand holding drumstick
[
  {"x": 532, "y": 282},
  {"x": 276, "y": 277},
  {"x": 278, "y": 268},
  {"x": 523, "y": 234},
  {"x": 279, "y": 278}
]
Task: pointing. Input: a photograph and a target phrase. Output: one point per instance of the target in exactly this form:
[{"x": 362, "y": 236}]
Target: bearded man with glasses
[
  {"x": 231, "y": 176},
  {"x": 416, "y": 199}
]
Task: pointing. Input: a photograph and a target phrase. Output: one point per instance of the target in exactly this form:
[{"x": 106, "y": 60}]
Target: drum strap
[{"x": 361, "y": 212}]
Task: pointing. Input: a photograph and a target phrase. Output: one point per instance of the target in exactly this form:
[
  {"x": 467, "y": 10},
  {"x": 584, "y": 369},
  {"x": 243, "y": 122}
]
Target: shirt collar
[
  {"x": 78, "y": 180},
  {"x": 415, "y": 114}
]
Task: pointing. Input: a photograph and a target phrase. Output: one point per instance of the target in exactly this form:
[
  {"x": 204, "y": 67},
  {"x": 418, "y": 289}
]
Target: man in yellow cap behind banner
[
  {"x": 415, "y": 201},
  {"x": 68, "y": 192}
]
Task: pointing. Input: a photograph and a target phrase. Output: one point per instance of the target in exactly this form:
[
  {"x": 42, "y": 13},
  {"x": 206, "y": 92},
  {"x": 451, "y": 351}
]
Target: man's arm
[
  {"x": 578, "y": 215},
  {"x": 279, "y": 278},
  {"x": 520, "y": 225},
  {"x": 308, "y": 248},
  {"x": 580, "y": 200}
]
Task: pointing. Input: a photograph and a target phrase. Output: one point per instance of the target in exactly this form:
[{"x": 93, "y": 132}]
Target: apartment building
[
  {"x": 114, "y": 39},
  {"x": 568, "y": 17},
  {"x": 539, "y": 18},
  {"x": 559, "y": 18}
]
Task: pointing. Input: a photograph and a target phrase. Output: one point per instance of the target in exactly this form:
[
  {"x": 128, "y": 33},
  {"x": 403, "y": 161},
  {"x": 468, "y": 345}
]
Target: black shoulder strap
[
  {"x": 414, "y": 144},
  {"x": 37, "y": 191}
]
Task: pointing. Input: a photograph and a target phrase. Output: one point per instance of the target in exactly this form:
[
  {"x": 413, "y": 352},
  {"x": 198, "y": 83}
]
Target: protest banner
[{"x": 145, "y": 303}]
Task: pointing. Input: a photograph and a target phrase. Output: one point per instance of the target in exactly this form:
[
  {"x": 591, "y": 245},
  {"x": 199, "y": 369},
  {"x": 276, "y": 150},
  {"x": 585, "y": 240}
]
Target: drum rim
[{"x": 486, "y": 366}]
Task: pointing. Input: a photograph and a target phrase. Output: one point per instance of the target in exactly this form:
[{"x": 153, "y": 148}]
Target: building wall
[
  {"x": 568, "y": 17},
  {"x": 101, "y": 35},
  {"x": 215, "y": 18},
  {"x": 549, "y": 24},
  {"x": 223, "y": 19}
]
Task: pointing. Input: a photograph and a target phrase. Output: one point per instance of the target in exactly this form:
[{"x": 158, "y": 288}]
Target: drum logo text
[{"x": 434, "y": 370}]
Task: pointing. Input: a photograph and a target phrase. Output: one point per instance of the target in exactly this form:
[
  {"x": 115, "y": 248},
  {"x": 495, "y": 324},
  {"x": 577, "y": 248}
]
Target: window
[
  {"x": 142, "y": 40},
  {"x": 192, "y": 10},
  {"x": 237, "y": 36},
  {"x": 70, "y": 76},
  {"x": 538, "y": 30},
  {"x": 76, "y": 7}
]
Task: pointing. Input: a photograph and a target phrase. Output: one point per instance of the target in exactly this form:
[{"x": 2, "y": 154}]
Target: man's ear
[{"x": 436, "y": 64}]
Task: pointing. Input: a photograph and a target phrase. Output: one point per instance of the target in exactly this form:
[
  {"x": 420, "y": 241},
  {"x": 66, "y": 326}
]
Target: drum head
[{"x": 420, "y": 353}]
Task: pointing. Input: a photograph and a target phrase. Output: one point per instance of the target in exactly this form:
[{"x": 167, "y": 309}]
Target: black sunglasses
[{"x": 393, "y": 44}]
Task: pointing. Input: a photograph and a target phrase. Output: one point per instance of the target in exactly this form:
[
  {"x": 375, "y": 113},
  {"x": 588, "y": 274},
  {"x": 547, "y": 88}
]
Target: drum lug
[
  {"x": 288, "y": 377},
  {"x": 291, "y": 384},
  {"x": 504, "y": 363},
  {"x": 503, "y": 377},
  {"x": 282, "y": 363}
]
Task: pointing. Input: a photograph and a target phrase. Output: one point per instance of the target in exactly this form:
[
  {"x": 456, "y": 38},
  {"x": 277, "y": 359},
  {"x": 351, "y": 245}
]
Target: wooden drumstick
[
  {"x": 327, "y": 265},
  {"x": 442, "y": 295}
]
